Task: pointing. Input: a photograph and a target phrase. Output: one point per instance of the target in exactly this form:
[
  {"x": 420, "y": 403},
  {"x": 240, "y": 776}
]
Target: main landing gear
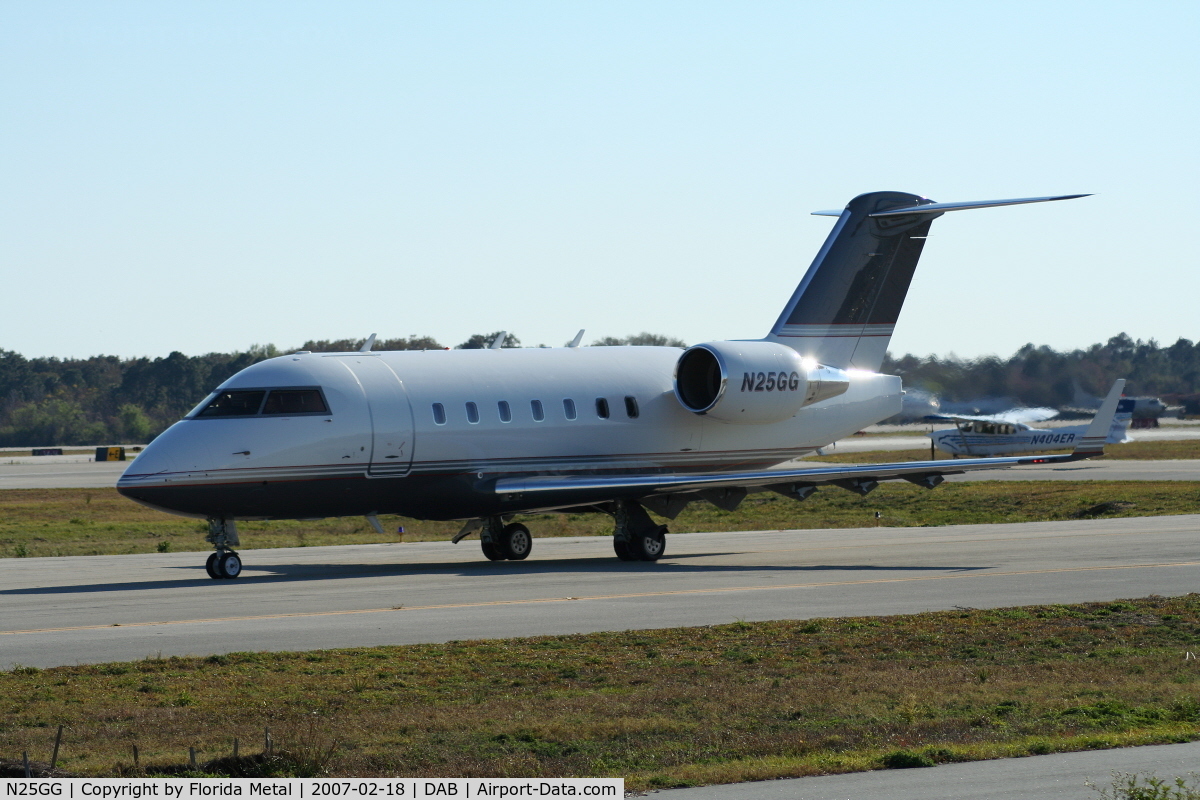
[
  {"x": 225, "y": 563},
  {"x": 502, "y": 542},
  {"x": 636, "y": 536}
]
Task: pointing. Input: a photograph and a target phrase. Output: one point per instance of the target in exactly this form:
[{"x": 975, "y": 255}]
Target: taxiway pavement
[
  {"x": 1098, "y": 470},
  {"x": 65, "y": 473},
  {"x": 1063, "y": 776},
  {"x": 112, "y": 608}
]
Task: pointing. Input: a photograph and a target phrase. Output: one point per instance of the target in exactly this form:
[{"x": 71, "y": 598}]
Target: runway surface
[
  {"x": 1055, "y": 777},
  {"x": 64, "y": 473},
  {"x": 1097, "y": 470},
  {"x": 103, "y": 475},
  {"x": 108, "y": 608}
]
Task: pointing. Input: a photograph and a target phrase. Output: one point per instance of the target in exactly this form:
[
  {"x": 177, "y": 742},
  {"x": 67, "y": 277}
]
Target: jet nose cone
[
  {"x": 144, "y": 471},
  {"x": 150, "y": 461}
]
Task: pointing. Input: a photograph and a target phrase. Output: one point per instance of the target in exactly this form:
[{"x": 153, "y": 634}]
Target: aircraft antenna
[{"x": 368, "y": 344}]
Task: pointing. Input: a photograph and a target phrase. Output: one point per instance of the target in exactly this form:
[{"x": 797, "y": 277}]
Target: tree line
[
  {"x": 107, "y": 399},
  {"x": 1042, "y": 376}
]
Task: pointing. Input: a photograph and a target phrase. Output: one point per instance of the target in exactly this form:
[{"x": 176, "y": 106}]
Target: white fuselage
[
  {"x": 383, "y": 446},
  {"x": 998, "y": 439}
]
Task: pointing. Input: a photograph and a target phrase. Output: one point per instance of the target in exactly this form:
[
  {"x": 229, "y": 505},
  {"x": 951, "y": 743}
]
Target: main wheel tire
[
  {"x": 516, "y": 542},
  {"x": 210, "y": 566},
  {"x": 621, "y": 548},
  {"x": 491, "y": 550},
  {"x": 649, "y": 546},
  {"x": 229, "y": 565}
]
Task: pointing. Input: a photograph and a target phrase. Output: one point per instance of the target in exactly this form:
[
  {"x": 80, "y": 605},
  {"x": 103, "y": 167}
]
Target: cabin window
[
  {"x": 602, "y": 407},
  {"x": 295, "y": 401},
  {"x": 472, "y": 413},
  {"x": 234, "y": 404},
  {"x": 536, "y": 407},
  {"x": 505, "y": 411},
  {"x": 631, "y": 408},
  {"x": 569, "y": 408},
  {"x": 439, "y": 414}
]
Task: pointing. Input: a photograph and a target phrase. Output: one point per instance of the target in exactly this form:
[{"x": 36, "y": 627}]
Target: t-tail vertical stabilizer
[
  {"x": 1092, "y": 443},
  {"x": 845, "y": 309}
]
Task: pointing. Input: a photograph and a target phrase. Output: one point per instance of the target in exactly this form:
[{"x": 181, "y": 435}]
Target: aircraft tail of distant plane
[
  {"x": 844, "y": 310},
  {"x": 1118, "y": 433},
  {"x": 1095, "y": 437}
]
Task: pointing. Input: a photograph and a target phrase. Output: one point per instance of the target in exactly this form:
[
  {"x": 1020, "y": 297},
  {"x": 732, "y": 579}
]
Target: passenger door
[{"x": 391, "y": 416}]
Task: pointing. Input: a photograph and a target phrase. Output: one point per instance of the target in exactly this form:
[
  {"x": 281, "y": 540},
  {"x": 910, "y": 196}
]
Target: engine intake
[{"x": 750, "y": 382}]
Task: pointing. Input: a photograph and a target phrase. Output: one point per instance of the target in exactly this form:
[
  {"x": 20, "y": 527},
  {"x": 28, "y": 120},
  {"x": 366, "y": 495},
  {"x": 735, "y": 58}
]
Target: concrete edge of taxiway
[{"x": 1050, "y": 777}]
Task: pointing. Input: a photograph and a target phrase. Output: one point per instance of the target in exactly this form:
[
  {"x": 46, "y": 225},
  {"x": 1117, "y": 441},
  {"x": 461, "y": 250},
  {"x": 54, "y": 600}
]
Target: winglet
[{"x": 1092, "y": 443}]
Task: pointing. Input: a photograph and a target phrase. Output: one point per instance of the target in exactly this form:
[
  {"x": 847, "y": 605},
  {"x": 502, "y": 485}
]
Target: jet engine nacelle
[{"x": 751, "y": 382}]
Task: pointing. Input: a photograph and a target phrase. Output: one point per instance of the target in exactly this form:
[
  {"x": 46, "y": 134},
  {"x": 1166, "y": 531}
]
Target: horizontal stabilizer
[
  {"x": 844, "y": 311},
  {"x": 938, "y": 208}
]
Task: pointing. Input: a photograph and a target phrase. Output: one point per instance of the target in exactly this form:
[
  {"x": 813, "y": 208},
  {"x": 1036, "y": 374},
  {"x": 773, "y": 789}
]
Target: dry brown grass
[{"x": 669, "y": 707}]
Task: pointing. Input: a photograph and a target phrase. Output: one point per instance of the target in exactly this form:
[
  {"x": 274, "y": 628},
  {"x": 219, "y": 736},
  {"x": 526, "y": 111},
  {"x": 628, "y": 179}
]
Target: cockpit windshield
[
  {"x": 234, "y": 404},
  {"x": 251, "y": 402},
  {"x": 295, "y": 401}
]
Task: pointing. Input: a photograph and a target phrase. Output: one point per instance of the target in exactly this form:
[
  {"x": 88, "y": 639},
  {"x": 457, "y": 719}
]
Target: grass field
[
  {"x": 61, "y": 522},
  {"x": 660, "y": 708}
]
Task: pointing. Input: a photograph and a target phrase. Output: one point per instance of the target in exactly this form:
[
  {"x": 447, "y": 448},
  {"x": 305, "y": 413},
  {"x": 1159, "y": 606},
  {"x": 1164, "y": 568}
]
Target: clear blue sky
[{"x": 206, "y": 176}]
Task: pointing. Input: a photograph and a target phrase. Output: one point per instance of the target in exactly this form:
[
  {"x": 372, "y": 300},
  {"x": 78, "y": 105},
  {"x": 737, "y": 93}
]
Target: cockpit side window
[
  {"x": 234, "y": 403},
  {"x": 295, "y": 401}
]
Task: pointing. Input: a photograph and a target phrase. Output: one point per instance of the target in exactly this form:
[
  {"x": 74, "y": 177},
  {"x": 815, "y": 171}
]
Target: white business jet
[
  {"x": 484, "y": 435},
  {"x": 1009, "y": 432}
]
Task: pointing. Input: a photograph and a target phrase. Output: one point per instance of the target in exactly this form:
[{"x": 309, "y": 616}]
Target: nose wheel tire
[
  {"x": 229, "y": 565},
  {"x": 516, "y": 542},
  {"x": 223, "y": 565}
]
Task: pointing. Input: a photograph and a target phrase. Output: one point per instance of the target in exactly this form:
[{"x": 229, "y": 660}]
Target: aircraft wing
[
  {"x": 852, "y": 476},
  {"x": 1027, "y": 415},
  {"x": 1013, "y": 415},
  {"x": 856, "y": 477},
  {"x": 959, "y": 418}
]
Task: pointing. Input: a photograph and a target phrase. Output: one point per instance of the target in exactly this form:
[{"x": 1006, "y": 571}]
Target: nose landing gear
[{"x": 225, "y": 563}]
